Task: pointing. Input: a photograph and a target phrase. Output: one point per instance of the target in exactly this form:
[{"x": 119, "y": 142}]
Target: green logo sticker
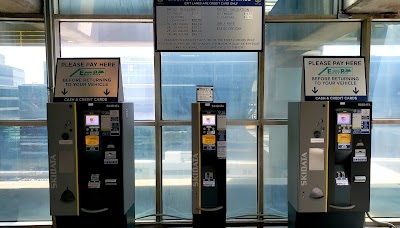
[
  {"x": 89, "y": 72},
  {"x": 329, "y": 71}
]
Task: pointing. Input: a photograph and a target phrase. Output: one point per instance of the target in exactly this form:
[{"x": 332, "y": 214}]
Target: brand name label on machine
[
  {"x": 303, "y": 169},
  {"x": 195, "y": 170},
  {"x": 53, "y": 171}
]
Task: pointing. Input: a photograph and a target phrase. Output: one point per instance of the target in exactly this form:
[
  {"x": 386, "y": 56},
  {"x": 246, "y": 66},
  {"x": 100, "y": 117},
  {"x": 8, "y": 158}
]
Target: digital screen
[
  {"x": 208, "y": 120},
  {"x": 344, "y": 118},
  {"x": 92, "y": 120}
]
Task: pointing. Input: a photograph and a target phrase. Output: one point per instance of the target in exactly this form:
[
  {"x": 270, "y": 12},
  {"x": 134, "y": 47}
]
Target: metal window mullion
[
  {"x": 158, "y": 132},
  {"x": 104, "y": 18},
  {"x": 366, "y": 27},
  {"x": 386, "y": 121},
  {"x": 335, "y": 8},
  {"x": 189, "y": 123},
  {"x": 275, "y": 122},
  {"x": 57, "y": 43},
  {"x": 260, "y": 133},
  {"x": 289, "y": 18},
  {"x": 31, "y": 17},
  {"x": 20, "y": 123},
  {"x": 49, "y": 37},
  {"x": 145, "y": 123}
]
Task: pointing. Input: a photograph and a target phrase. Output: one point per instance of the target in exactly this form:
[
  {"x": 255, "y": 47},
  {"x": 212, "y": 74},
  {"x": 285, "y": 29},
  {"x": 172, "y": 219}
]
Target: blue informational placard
[
  {"x": 209, "y": 25},
  {"x": 361, "y": 121},
  {"x": 209, "y": 2}
]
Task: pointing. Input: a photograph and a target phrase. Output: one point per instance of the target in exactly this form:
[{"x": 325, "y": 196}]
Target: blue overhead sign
[
  {"x": 334, "y": 79},
  {"x": 209, "y": 2},
  {"x": 212, "y": 25}
]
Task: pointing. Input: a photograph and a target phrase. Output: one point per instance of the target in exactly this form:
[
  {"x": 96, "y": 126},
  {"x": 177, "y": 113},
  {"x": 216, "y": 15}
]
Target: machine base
[
  {"x": 326, "y": 220},
  {"x": 205, "y": 220},
  {"x": 92, "y": 221}
]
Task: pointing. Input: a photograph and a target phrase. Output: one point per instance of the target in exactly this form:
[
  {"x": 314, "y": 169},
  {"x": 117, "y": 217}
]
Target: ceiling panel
[
  {"x": 21, "y": 6},
  {"x": 372, "y": 6}
]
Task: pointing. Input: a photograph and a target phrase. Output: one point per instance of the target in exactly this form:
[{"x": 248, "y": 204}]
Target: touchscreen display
[
  {"x": 344, "y": 118},
  {"x": 92, "y": 120},
  {"x": 208, "y": 120}
]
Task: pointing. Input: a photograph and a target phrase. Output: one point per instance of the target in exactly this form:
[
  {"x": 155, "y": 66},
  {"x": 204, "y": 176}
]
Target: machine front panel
[
  {"x": 312, "y": 157},
  {"x": 209, "y": 164},
  {"x": 340, "y": 134},
  {"x": 100, "y": 159},
  {"x": 350, "y": 155},
  {"x": 64, "y": 193}
]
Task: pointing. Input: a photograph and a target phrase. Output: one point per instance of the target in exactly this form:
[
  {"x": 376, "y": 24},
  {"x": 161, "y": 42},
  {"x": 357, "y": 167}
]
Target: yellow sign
[
  {"x": 344, "y": 138},
  {"x": 209, "y": 139},
  {"x": 92, "y": 140}
]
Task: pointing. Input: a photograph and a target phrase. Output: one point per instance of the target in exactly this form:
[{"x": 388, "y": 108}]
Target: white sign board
[
  {"x": 205, "y": 93},
  {"x": 88, "y": 80},
  {"x": 209, "y": 25},
  {"x": 334, "y": 79}
]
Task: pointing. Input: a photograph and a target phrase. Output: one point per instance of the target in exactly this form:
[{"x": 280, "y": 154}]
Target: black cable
[
  {"x": 164, "y": 215},
  {"x": 269, "y": 216},
  {"x": 381, "y": 223}
]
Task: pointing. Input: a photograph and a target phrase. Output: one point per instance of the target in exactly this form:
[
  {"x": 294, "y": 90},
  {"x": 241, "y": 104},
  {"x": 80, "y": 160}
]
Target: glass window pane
[
  {"x": 145, "y": 171},
  {"x": 241, "y": 171},
  {"x": 385, "y": 57},
  {"x": 132, "y": 42},
  {"x": 233, "y": 75},
  {"x": 275, "y": 170},
  {"x": 23, "y": 79},
  {"x": 114, "y": 7},
  {"x": 310, "y": 7},
  {"x": 177, "y": 171},
  {"x": 24, "y": 176},
  {"x": 385, "y": 171},
  {"x": 287, "y": 43}
]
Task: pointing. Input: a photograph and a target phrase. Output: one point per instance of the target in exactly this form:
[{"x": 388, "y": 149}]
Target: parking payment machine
[
  {"x": 329, "y": 147},
  {"x": 209, "y": 164},
  {"x": 329, "y": 163},
  {"x": 91, "y": 162}
]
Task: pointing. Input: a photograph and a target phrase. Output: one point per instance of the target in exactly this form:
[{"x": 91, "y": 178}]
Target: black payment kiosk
[
  {"x": 329, "y": 163},
  {"x": 91, "y": 151},
  {"x": 209, "y": 164},
  {"x": 91, "y": 163},
  {"x": 329, "y": 145}
]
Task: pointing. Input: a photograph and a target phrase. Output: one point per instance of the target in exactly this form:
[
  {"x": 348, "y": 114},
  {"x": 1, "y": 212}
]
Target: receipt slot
[
  {"x": 329, "y": 160},
  {"x": 209, "y": 164},
  {"x": 91, "y": 163}
]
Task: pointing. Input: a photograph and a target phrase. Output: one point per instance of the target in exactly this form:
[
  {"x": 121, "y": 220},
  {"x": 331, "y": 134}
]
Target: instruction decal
[
  {"x": 334, "y": 79},
  {"x": 87, "y": 80}
]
